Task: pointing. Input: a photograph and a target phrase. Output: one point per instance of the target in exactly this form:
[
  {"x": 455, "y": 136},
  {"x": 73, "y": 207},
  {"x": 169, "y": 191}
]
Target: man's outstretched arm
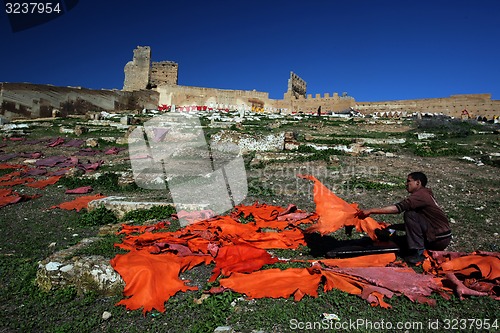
[{"x": 382, "y": 210}]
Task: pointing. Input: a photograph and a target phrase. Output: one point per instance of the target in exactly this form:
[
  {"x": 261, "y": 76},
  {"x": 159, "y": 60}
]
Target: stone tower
[
  {"x": 296, "y": 87},
  {"x": 138, "y": 71}
]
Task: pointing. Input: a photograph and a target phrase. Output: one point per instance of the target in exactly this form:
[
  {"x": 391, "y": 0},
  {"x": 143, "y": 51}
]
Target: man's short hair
[{"x": 419, "y": 176}]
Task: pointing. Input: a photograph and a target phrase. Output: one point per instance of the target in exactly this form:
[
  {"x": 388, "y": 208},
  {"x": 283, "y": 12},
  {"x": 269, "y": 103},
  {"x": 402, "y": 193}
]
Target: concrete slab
[{"x": 122, "y": 205}]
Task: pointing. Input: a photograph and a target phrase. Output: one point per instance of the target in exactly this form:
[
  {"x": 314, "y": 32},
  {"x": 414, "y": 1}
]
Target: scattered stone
[
  {"x": 15, "y": 126},
  {"x": 334, "y": 159},
  {"x": 201, "y": 299},
  {"x": 53, "y": 266},
  {"x": 65, "y": 130},
  {"x": 125, "y": 139},
  {"x": 56, "y": 113},
  {"x": 74, "y": 172},
  {"x": 308, "y": 137},
  {"x": 79, "y": 130},
  {"x": 3, "y": 121},
  {"x": 125, "y": 120},
  {"x": 92, "y": 142},
  {"x": 470, "y": 159},
  {"x": 126, "y": 178},
  {"x": 110, "y": 229},
  {"x": 121, "y": 141},
  {"x": 66, "y": 268},
  {"x": 282, "y": 157},
  {"x": 423, "y": 136},
  {"x": 224, "y": 329},
  {"x": 110, "y": 139},
  {"x": 94, "y": 116},
  {"x": 106, "y": 315},
  {"x": 388, "y": 141},
  {"x": 274, "y": 125},
  {"x": 357, "y": 148},
  {"x": 291, "y": 142}
]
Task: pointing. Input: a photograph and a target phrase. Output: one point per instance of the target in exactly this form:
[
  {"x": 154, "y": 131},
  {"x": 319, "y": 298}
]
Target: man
[{"x": 426, "y": 224}]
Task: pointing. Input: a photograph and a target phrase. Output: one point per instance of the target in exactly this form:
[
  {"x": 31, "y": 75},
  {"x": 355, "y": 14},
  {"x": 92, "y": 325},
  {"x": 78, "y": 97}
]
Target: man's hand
[{"x": 362, "y": 214}]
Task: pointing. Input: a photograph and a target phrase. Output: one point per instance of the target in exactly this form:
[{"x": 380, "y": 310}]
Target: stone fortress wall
[
  {"x": 476, "y": 105},
  {"x": 163, "y": 77},
  {"x": 296, "y": 99},
  {"x": 27, "y": 100},
  {"x": 152, "y": 84}
]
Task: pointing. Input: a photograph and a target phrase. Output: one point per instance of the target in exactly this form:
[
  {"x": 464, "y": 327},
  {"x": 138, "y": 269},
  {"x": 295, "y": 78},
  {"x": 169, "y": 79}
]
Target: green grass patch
[
  {"x": 363, "y": 184},
  {"x": 287, "y": 264},
  {"x": 438, "y": 147},
  {"x": 4, "y": 172},
  {"x": 259, "y": 190},
  {"x": 332, "y": 141},
  {"x": 104, "y": 246},
  {"x": 98, "y": 216},
  {"x": 108, "y": 181},
  {"x": 245, "y": 220},
  {"x": 153, "y": 213},
  {"x": 452, "y": 128}
]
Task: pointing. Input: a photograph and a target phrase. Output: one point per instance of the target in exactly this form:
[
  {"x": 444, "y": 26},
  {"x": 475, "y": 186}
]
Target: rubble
[
  {"x": 248, "y": 143},
  {"x": 79, "y": 130},
  {"x": 92, "y": 273},
  {"x": 92, "y": 142}
]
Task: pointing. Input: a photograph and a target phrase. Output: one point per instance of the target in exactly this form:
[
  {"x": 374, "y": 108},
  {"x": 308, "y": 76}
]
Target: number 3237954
[{"x": 33, "y": 8}]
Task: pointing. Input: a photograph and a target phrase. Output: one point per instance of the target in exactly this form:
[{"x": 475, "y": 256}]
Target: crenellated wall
[
  {"x": 294, "y": 101},
  {"x": 477, "y": 105},
  {"x": 334, "y": 103}
]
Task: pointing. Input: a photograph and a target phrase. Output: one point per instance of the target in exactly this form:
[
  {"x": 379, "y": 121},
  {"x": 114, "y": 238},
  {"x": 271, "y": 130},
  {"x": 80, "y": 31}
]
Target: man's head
[{"x": 415, "y": 181}]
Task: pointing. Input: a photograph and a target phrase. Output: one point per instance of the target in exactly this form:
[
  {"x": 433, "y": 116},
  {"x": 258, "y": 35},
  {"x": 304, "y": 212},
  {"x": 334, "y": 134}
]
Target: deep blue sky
[{"x": 372, "y": 49}]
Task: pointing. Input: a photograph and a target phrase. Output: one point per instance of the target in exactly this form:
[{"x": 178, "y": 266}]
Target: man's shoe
[{"x": 415, "y": 258}]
